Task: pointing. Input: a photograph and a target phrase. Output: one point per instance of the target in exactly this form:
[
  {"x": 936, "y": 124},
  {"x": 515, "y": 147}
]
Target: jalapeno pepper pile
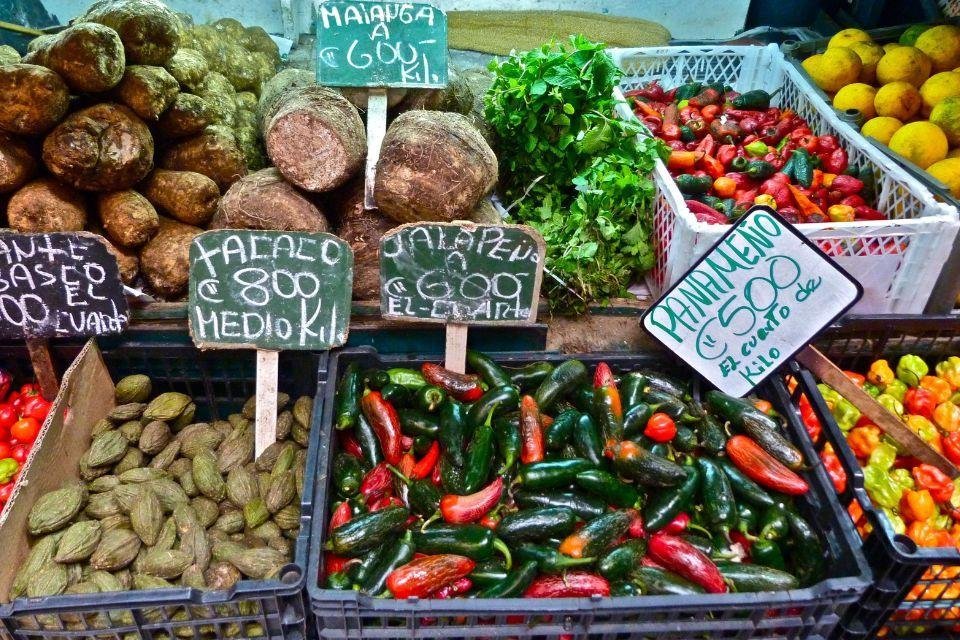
[
  {"x": 731, "y": 151},
  {"x": 549, "y": 480}
]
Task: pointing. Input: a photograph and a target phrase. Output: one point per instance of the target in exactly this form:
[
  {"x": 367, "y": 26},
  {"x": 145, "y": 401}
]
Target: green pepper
[
  {"x": 949, "y": 370},
  {"x": 480, "y": 455},
  {"x": 470, "y": 540},
  {"x": 807, "y": 559},
  {"x": 895, "y": 388},
  {"x": 747, "y": 518},
  {"x": 357, "y": 571},
  {"x": 395, "y": 394},
  {"x": 560, "y": 381},
  {"x": 803, "y": 167},
  {"x": 620, "y": 561},
  {"x": 891, "y": 404},
  {"x": 410, "y": 379},
  {"x": 757, "y": 148},
  {"x": 488, "y": 573},
  {"x": 376, "y": 379},
  {"x": 719, "y": 506},
  {"x": 624, "y": 590},
  {"x": 454, "y": 431},
  {"x": 665, "y": 504},
  {"x": 687, "y": 91},
  {"x": 767, "y": 553},
  {"x": 687, "y": 134},
  {"x": 429, "y": 398},
  {"x": 552, "y": 474},
  {"x": 788, "y": 168},
  {"x": 498, "y": 400},
  {"x": 686, "y": 440},
  {"x": 369, "y": 442},
  {"x": 530, "y": 376},
  {"x": 609, "y": 487},
  {"x": 558, "y": 434},
  {"x": 631, "y": 388},
  {"x": 423, "y": 497},
  {"x": 760, "y": 170},
  {"x": 586, "y": 507},
  {"x": 339, "y": 581},
  {"x": 903, "y": 479},
  {"x": 534, "y": 525},
  {"x": 635, "y": 419},
  {"x": 394, "y": 554},
  {"x": 774, "y": 524},
  {"x": 347, "y": 474},
  {"x": 587, "y": 440},
  {"x": 743, "y": 487},
  {"x": 548, "y": 559},
  {"x": 582, "y": 398},
  {"x": 691, "y": 184},
  {"x": 896, "y": 522},
  {"x": 514, "y": 583},
  {"x": 489, "y": 371},
  {"x": 739, "y": 164},
  {"x": 417, "y": 423},
  {"x": 872, "y": 390},
  {"x": 506, "y": 433},
  {"x": 842, "y": 409},
  {"x": 910, "y": 370},
  {"x": 883, "y": 456},
  {"x": 349, "y": 391},
  {"x": 712, "y": 435},
  {"x": 757, "y": 99},
  {"x": 451, "y": 476},
  {"x": 367, "y": 531}
]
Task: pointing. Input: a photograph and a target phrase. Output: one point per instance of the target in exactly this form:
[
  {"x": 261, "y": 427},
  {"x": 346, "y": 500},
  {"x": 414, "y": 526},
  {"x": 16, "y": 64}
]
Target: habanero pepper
[
  {"x": 933, "y": 480},
  {"x": 951, "y": 447},
  {"x": 831, "y": 464},
  {"x": 463, "y": 387},
  {"x": 920, "y": 401},
  {"x": 422, "y": 576},
  {"x": 457, "y": 509},
  {"x": 386, "y": 424}
]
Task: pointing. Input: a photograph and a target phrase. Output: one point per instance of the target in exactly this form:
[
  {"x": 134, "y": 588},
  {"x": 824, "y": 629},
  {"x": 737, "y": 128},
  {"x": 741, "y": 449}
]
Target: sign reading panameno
[
  {"x": 369, "y": 43},
  {"x": 755, "y": 299},
  {"x": 461, "y": 272},
  {"x": 269, "y": 290}
]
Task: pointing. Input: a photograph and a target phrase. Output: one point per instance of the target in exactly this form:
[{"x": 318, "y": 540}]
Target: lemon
[
  {"x": 942, "y": 45},
  {"x": 946, "y": 115},
  {"x": 836, "y": 67},
  {"x": 922, "y": 143},
  {"x": 899, "y": 100},
  {"x": 847, "y": 37},
  {"x": 857, "y": 96},
  {"x": 811, "y": 64},
  {"x": 870, "y": 54},
  {"x": 903, "y": 63},
  {"x": 890, "y": 46},
  {"x": 947, "y": 171},
  {"x": 938, "y": 87},
  {"x": 880, "y": 128},
  {"x": 909, "y": 37}
]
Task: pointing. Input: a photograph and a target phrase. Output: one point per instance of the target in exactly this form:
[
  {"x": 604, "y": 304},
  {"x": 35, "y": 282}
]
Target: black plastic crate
[
  {"x": 898, "y": 564},
  {"x": 219, "y": 381},
  {"x": 801, "y": 613}
]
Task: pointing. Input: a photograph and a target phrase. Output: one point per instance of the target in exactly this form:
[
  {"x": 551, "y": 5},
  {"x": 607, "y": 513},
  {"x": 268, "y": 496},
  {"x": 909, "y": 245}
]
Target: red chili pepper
[
  {"x": 426, "y": 464},
  {"x": 836, "y": 162},
  {"x": 646, "y": 109},
  {"x": 831, "y": 464},
  {"x": 790, "y": 214},
  {"x": 763, "y": 468},
  {"x": 386, "y": 425},
  {"x": 335, "y": 564},
  {"x": 710, "y": 112},
  {"x": 810, "y": 419},
  {"x": 348, "y": 444},
  {"x": 863, "y": 212},
  {"x": 740, "y": 538},
  {"x": 712, "y": 166},
  {"x": 407, "y": 462},
  {"x": 951, "y": 447},
  {"x": 406, "y": 443},
  {"x": 463, "y": 387},
  {"x": 742, "y": 180},
  {"x": 749, "y": 124},
  {"x": 573, "y": 584},
  {"x": 491, "y": 521},
  {"x": 745, "y": 197},
  {"x": 933, "y": 480},
  {"x": 920, "y": 401},
  {"x": 670, "y": 131},
  {"x": 435, "y": 476},
  {"x": 387, "y": 501},
  {"x": 679, "y": 524},
  {"x": 531, "y": 431},
  {"x": 847, "y": 185},
  {"x": 341, "y": 515},
  {"x": 464, "y": 509},
  {"x": 376, "y": 483},
  {"x": 688, "y": 113},
  {"x": 636, "y": 529},
  {"x": 660, "y": 428},
  {"x": 856, "y": 200},
  {"x": 726, "y": 153},
  {"x": 704, "y": 213},
  {"x": 677, "y": 555},
  {"x": 6, "y": 380},
  {"x": 799, "y": 133},
  {"x": 828, "y": 143},
  {"x": 462, "y": 585},
  {"x": 422, "y": 576}
]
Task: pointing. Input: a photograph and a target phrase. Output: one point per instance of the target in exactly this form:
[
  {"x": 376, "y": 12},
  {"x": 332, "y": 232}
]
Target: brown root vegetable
[
  {"x": 34, "y": 99},
  {"x": 358, "y": 96},
  {"x": 214, "y": 153},
  {"x": 45, "y": 205},
  {"x": 433, "y": 166},
  {"x": 8, "y": 55},
  {"x": 189, "y": 67},
  {"x": 221, "y": 96},
  {"x": 187, "y": 116},
  {"x": 128, "y": 218},
  {"x": 147, "y": 90},
  {"x": 274, "y": 88},
  {"x": 246, "y": 101},
  {"x": 89, "y": 57},
  {"x": 264, "y": 200},
  {"x": 486, "y": 213},
  {"x": 105, "y": 147},
  {"x": 315, "y": 137},
  {"x": 165, "y": 259},
  {"x": 361, "y": 228},
  {"x": 127, "y": 261},
  {"x": 17, "y": 164},
  {"x": 149, "y": 30},
  {"x": 184, "y": 195}
]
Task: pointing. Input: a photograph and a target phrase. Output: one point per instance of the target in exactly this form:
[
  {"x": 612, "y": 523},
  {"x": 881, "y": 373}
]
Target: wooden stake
[
  {"x": 456, "y": 356},
  {"x": 266, "y": 429},
  {"x": 39, "y": 350},
  {"x": 910, "y": 443},
  {"x": 376, "y": 129}
]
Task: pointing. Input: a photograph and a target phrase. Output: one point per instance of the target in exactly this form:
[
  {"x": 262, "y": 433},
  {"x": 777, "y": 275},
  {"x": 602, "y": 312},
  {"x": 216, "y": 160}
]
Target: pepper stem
[
  {"x": 436, "y": 516},
  {"x": 696, "y": 527},
  {"x": 399, "y": 474},
  {"x": 502, "y": 547}
]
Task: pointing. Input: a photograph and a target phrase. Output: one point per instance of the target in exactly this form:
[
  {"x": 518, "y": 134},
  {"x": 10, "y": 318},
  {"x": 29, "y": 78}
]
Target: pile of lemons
[{"x": 907, "y": 91}]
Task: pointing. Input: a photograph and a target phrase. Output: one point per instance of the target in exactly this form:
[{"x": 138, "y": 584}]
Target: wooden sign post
[
  {"x": 460, "y": 274},
  {"x": 269, "y": 291},
  {"x": 57, "y": 285},
  {"x": 755, "y": 300},
  {"x": 378, "y": 44}
]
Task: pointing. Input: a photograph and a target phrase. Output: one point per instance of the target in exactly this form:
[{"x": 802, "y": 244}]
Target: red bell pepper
[
  {"x": 677, "y": 555},
  {"x": 424, "y": 466},
  {"x": 920, "y": 401},
  {"x": 465, "y": 509},
  {"x": 933, "y": 480},
  {"x": 742, "y": 180},
  {"x": 836, "y": 162},
  {"x": 827, "y": 143},
  {"x": 749, "y": 124},
  {"x": 422, "y": 576},
  {"x": 573, "y": 584},
  {"x": 341, "y": 515},
  {"x": 670, "y": 131},
  {"x": 532, "y": 447},
  {"x": 386, "y": 425},
  {"x": 463, "y": 387},
  {"x": 763, "y": 468},
  {"x": 710, "y": 112},
  {"x": 855, "y": 200},
  {"x": 376, "y": 483}
]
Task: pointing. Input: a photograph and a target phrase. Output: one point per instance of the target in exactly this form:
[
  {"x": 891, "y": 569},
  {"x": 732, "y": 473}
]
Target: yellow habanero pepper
[
  {"x": 939, "y": 387},
  {"x": 947, "y": 416},
  {"x": 880, "y": 373}
]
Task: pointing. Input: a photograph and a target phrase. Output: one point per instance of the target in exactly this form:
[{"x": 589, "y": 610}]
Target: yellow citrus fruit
[
  {"x": 938, "y": 87},
  {"x": 942, "y": 45},
  {"x": 870, "y": 54},
  {"x": 836, "y": 67},
  {"x": 907, "y": 64},
  {"x": 899, "y": 100},
  {"x": 881, "y": 128},
  {"x": 947, "y": 171},
  {"x": 857, "y": 96},
  {"x": 890, "y": 46},
  {"x": 946, "y": 115},
  {"x": 910, "y": 35},
  {"x": 847, "y": 37},
  {"x": 922, "y": 143},
  {"x": 812, "y": 63}
]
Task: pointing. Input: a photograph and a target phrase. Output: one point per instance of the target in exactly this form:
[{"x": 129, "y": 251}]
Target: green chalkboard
[
  {"x": 461, "y": 272},
  {"x": 366, "y": 43},
  {"x": 270, "y": 290}
]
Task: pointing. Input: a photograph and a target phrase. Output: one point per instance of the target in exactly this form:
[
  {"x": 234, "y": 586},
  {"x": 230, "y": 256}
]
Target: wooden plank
[
  {"x": 39, "y": 349},
  {"x": 376, "y": 129},
  {"x": 910, "y": 443},
  {"x": 456, "y": 356},
  {"x": 266, "y": 427}
]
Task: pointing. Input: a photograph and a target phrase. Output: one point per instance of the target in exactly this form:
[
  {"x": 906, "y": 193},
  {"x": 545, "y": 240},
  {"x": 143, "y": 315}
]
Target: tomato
[
  {"x": 25, "y": 429},
  {"x": 6, "y": 490},
  {"x": 36, "y": 407},
  {"x": 20, "y": 453},
  {"x": 6, "y": 448}
]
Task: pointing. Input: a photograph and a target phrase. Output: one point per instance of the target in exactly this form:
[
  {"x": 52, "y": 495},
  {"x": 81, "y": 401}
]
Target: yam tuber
[
  {"x": 45, "y": 205},
  {"x": 186, "y": 196},
  {"x": 264, "y": 200},
  {"x": 128, "y": 218},
  {"x": 187, "y": 116},
  {"x": 89, "y": 57},
  {"x": 214, "y": 153},
  {"x": 127, "y": 262},
  {"x": 361, "y": 228},
  {"x": 147, "y": 90},
  {"x": 149, "y": 30},
  {"x": 34, "y": 99},
  {"x": 17, "y": 164},
  {"x": 165, "y": 259},
  {"x": 189, "y": 67}
]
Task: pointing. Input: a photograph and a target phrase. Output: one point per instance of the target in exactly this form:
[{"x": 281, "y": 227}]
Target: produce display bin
[
  {"x": 801, "y": 613},
  {"x": 899, "y": 565},
  {"x": 897, "y": 260},
  {"x": 220, "y": 382}
]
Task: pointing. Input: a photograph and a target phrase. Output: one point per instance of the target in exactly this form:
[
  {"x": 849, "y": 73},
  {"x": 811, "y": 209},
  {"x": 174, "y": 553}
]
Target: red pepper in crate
[
  {"x": 349, "y": 444},
  {"x": 828, "y": 143},
  {"x": 708, "y": 96},
  {"x": 682, "y": 160},
  {"x": 704, "y": 213},
  {"x": 377, "y": 483},
  {"x": 341, "y": 515},
  {"x": 461, "y": 585},
  {"x": 951, "y": 447},
  {"x": 809, "y": 418},
  {"x": 864, "y": 212},
  {"x": 749, "y": 124},
  {"x": 637, "y": 529},
  {"x": 333, "y": 563},
  {"x": 386, "y": 425},
  {"x": 422, "y": 576},
  {"x": 6, "y": 380},
  {"x": 709, "y": 113},
  {"x": 836, "y": 162},
  {"x": 933, "y": 480},
  {"x": 646, "y": 110},
  {"x": 808, "y": 209},
  {"x": 607, "y": 404},
  {"x": 677, "y": 555},
  {"x": 726, "y": 153},
  {"x": 831, "y": 464},
  {"x": 531, "y": 431},
  {"x": 920, "y": 401},
  {"x": 465, "y": 388},
  {"x": 465, "y": 509},
  {"x": 679, "y": 524},
  {"x": 425, "y": 465},
  {"x": 855, "y": 200},
  {"x": 847, "y": 185},
  {"x": 572, "y": 584},
  {"x": 763, "y": 468}
]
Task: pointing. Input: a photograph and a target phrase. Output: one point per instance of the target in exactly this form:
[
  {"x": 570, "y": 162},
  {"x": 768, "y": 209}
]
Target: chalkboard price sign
[
  {"x": 269, "y": 290},
  {"x": 58, "y": 285},
  {"x": 753, "y": 301},
  {"x": 370, "y": 43},
  {"x": 461, "y": 273}
]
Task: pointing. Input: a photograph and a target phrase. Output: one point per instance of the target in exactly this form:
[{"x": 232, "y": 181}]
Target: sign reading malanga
[
  {"x": 755, "y": 299},
  {"x": 269, "y": 290},
  {"x": 461, "y": 272}
]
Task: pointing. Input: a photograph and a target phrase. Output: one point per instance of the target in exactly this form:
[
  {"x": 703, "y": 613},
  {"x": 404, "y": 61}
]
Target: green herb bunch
[{"x": 573, "y": 171}]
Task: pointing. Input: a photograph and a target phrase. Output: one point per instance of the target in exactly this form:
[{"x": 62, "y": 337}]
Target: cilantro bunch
[{"x": 573, "y": 171}]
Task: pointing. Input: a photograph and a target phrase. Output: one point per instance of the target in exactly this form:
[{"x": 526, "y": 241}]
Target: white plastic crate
[{"x": 897, "y": 260}]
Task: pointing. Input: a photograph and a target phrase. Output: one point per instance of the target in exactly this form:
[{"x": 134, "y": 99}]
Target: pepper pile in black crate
[{"x": 534, "y": 482}]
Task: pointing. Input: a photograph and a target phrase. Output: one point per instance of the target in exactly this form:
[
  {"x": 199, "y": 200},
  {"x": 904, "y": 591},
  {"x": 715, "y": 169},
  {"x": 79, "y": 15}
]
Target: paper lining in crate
[{"x": 897, "y": 260}]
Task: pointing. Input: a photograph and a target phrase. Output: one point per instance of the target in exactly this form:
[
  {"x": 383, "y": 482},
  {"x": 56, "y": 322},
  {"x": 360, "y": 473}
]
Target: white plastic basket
[{"x": 897, "y": 260}]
